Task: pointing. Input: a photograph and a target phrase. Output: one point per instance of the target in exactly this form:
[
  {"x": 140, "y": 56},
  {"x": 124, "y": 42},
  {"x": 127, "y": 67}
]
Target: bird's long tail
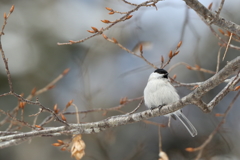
[{"x": 189, "y": 126}]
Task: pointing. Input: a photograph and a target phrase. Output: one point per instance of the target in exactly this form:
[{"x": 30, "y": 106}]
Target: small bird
[{"x": 160, "y": 92}]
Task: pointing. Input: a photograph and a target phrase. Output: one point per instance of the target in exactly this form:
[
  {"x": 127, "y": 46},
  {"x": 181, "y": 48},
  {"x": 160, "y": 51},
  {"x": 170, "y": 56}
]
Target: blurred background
[{"x": 102, "y": 73}]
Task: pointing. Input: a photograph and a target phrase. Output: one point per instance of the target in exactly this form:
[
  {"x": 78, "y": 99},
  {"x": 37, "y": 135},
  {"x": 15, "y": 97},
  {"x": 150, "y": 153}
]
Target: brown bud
[
  {"x": 221, "y": 31},
  {"x": 114, "y": 40},
  {"x": 56, "y": 144},
  {"x": 90, "y": 31},
  {"x": 197, "y": 66},
  {"x": 71, "y": 41},
  {"x": 60, "y": 141},
  {"x": 22, "y": 105},
  {"x": 219, "y": 115},
  {"x": 12, "y": 9},
  {"x": 4, "y": 15},
  {"x": 174, "y": 76},
  {"x": 229, "y": 33},
  {"x": 179, "y": 44},
  {"x": 111, "y": 13},
  {"x": 63, "y": 117},
  {"x": 106, "y": 21},
  {"x": 170, "y": 54},
  {"x": 110, "y": 9},
  {"x": 129, "y": 16},
  {"x": 55, "y": 108},
  {"x": 95, "y": 29},
  {"x": 188, "y": 67},
  {"x": 37, "y": 126},
  {"x": 123, "y": 100},
  {"x": 210, "y": 6},
  {"x": 175, "y": 53},
  {"x": 141, "y": 48},
  {"x": 65, "y": 71},
  {"x": 51, "y": 87},
  {"x": 104, "y": 36},
  {"x": 162, "y": 59},
  {"x": 63, "y": 148},
  {"x": 189, "y": 149},
  {"x": 237, "y": 88},
  {"x": 33, "y": 92},
  {"x": 69, "y": 103}
]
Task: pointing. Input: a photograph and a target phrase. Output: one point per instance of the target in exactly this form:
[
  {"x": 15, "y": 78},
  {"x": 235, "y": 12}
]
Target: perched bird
[{"x": 160, "y": 92}]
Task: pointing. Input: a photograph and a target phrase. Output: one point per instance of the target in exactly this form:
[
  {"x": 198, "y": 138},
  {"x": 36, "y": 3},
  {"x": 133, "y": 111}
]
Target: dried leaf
[{"x": 78, "y": 147}]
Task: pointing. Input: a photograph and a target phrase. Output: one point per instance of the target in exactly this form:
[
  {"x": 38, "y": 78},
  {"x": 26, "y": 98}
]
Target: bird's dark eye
[{"x": 161, "y": 71}]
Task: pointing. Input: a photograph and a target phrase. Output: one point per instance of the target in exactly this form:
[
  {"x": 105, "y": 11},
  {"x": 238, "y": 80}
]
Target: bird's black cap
[{"x": 162, "y": 71}]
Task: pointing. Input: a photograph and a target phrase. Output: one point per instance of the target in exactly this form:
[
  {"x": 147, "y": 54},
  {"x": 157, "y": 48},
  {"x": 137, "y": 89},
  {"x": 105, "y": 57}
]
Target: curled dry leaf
[
  {"x": 78, "y": 147},
  {"x": 163, "y": 156}
]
